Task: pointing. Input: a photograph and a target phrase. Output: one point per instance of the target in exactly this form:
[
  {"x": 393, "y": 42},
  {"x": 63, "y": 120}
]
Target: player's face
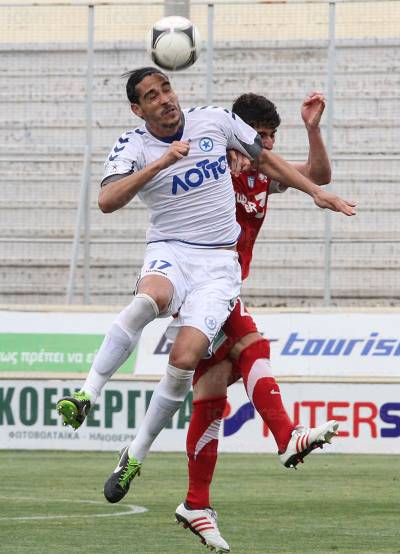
[
  {"x": 267, "y": 136},
  {"x": 158, "y": 105}
]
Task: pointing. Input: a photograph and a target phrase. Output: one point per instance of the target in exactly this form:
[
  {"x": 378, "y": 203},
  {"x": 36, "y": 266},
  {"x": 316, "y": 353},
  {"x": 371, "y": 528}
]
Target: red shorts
[{"x": 238, "y": 325}]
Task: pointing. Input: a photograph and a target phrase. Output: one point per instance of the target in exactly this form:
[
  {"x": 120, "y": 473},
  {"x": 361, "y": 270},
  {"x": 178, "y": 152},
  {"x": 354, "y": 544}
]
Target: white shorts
[{"x": 206, "y": 284}]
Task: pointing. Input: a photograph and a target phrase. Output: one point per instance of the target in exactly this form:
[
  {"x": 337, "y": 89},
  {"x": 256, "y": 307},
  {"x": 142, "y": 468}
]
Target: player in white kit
[{"x": 176, "y": 163}]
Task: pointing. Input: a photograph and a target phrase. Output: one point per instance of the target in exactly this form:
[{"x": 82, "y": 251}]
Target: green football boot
[
  {"x": 117, "y": 485},
  {"x": 74, "y": 409}
]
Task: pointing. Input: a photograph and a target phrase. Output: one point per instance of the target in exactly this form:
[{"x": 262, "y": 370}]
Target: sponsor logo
[
  {"x": 163, "y": 346},
  {"x": 355, "y": 418},
  {"x": 233, "y": 423},
  {"x": 119, "y": 466},
  {"x": 34, "y": 407},
  {"x": 297, "y": 345},
  {"x": 206, "y": 144},
  {"x": 195, "y": 176},
  {"x": 371, "y": 346},
  {"x": 256, "y": 206},
  {"x": 250, "y": 207},
  {"x": 121, "y": 143}
]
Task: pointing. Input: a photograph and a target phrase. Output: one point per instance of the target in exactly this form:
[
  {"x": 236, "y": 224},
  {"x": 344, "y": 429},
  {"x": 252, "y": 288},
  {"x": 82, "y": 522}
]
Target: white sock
[
  {"x": 119, "y": 343},
  {"x": 167, "y": 398}
]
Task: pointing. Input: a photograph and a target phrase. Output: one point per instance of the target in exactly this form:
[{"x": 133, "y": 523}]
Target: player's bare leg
[
  {"x": 190, "y": 345},
  {"x": 251, "y": 355},
  {"x": 203, "y": 301},
  {"x": 153, "y": 297}
]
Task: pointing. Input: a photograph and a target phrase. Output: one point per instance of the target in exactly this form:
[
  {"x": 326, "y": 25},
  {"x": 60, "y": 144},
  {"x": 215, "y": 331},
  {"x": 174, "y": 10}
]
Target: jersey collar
[{"x": 176, "y": 136}]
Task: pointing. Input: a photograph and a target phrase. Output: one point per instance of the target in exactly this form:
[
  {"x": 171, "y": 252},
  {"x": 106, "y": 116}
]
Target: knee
[
  {"x": 243, "y": 343},
  {"x": 213, "y": 383},
  {"x": 184, "y": 359},
  {"x": 162, "y": 300},
  {"x": 159, "y": 289},
  {"x": 137, "y": 315}
]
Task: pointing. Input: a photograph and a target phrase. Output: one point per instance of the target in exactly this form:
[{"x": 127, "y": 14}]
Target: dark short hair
[
  {"x": 135, "y": 77},
  {"x": 256, "y": 111}
]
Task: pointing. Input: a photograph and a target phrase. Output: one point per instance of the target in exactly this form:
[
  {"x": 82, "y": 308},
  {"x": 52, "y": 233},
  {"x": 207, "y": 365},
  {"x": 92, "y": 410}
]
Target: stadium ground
[{"x": 334, "y": 503}]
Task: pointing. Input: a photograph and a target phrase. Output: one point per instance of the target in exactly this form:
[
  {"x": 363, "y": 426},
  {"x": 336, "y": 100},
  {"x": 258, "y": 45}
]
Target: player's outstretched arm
[
  {"x": 118, "y": 193},
  {"x": 278, "y": 169},
  {"x": 317, "y": 167}
]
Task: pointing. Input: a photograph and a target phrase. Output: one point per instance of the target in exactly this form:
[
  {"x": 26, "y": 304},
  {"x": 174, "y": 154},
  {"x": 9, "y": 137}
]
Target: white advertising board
[
  {"x": 329, "y": 344},
  {"x": 369, "y": 417},
  {"x": 53, "y": 341},
  {"x": 311, "y": 344}
]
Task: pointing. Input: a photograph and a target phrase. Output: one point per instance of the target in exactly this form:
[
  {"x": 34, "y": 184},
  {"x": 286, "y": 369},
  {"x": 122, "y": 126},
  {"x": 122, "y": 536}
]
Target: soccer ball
[{"x": 174, "y": 43}]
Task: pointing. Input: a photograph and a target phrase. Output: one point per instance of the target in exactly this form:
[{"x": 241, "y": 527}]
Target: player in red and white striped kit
[{"x": 244, "y": 352}]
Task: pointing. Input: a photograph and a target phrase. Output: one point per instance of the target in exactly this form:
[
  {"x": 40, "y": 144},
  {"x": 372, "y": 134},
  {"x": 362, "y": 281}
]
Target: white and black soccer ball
[{"x": 174, "y": 43}]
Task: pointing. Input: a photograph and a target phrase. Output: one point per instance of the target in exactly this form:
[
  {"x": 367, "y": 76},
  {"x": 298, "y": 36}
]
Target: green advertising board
[{"x": 52, "y": 352}]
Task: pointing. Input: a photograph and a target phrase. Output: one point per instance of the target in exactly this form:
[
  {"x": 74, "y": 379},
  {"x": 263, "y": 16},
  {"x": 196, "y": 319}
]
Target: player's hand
[
  {"x": 312, "y": 109},
  {"x": 177, "y": 150},
  {"x": 238, "y": 162},
  {"x": 330, "y": 201}
]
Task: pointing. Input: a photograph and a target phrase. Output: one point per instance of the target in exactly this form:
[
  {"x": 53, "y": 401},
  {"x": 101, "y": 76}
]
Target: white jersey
[{"x": 191, "y": 201}]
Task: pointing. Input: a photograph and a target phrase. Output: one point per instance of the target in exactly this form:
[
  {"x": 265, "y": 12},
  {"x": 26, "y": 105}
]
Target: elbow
[
  {"x": 323, "y": 177},
  {"x": 326, "y": 177},
  {"x": 105, "y": 206}
]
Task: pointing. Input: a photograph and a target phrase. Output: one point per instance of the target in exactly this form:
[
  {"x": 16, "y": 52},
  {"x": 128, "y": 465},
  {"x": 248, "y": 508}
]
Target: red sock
[
  {"x": 201, "y": 449},
  {"x": 263, "y": 391}
]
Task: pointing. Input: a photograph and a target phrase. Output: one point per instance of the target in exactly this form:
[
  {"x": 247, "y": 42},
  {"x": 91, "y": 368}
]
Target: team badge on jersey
[
  {"x": 206, "y": 144},
  {"x": 251, "y": 181}
]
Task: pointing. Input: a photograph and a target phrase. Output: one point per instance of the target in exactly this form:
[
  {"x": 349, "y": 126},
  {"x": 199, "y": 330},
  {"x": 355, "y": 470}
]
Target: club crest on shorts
[
  {"x": 206, "y": 144},
  {"x": 211, "y": 322}
]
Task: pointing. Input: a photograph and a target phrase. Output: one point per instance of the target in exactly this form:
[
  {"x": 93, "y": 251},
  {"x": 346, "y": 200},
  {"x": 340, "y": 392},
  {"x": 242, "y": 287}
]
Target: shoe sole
[
  {"x": 186, "y": 525},
  {"x": 298, "y": 458},
  {"x": 68, "y": 411}
]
